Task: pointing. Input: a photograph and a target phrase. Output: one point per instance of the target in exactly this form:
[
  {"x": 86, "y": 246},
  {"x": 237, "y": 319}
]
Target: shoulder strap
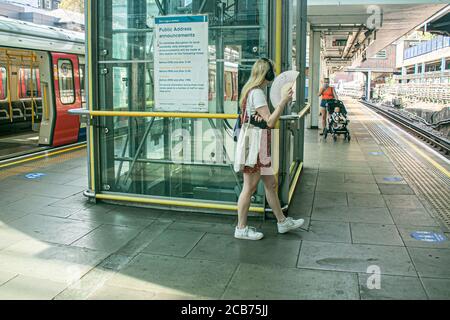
[{"x": 244, "y": 115}]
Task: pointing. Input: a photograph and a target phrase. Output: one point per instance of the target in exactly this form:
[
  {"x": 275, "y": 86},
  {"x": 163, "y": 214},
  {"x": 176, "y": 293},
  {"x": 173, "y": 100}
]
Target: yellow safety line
[
  {"x": 49, "y": 154},
  {"x": 192, "y": 204},
  {"x": 434, "y": 163},
  {"x": 294, "y": 182},
  {"x": 191, "y": 115}
]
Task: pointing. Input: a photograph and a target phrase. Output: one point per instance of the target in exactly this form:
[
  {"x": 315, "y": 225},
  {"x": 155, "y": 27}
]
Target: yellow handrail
[{"x": 191, "y": 115}]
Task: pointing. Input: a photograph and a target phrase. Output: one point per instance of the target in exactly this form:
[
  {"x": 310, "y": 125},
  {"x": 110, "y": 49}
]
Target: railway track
[{"x": 440, "y": 144}]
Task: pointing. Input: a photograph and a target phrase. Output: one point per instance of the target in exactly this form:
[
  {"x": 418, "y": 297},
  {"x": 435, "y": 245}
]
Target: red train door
[{"x": 67, "y": 96}]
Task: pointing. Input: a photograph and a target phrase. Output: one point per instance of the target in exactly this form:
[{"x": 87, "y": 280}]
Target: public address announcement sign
[{"x": 181, "y": 63}]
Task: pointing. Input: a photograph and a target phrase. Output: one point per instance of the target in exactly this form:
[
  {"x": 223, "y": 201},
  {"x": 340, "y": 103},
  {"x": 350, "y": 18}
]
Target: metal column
[
  {"x": 301, "y": 65},
  {"x": 314, "y": 77}
]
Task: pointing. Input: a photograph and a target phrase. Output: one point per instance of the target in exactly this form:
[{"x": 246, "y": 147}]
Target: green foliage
[{"x": 72, "y": 5}]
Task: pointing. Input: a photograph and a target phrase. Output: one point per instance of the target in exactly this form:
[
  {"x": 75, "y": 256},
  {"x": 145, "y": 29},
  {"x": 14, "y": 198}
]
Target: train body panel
[{"x": 67, "y": 96}]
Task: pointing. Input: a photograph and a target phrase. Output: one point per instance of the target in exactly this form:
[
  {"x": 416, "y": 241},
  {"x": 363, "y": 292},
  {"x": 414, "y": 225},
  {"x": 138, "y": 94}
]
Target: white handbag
[{"x": 247, "y": 147}]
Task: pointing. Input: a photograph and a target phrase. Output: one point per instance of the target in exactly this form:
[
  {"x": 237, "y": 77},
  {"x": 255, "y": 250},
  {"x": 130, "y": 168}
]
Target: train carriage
[{"x": 41, "y": 78}]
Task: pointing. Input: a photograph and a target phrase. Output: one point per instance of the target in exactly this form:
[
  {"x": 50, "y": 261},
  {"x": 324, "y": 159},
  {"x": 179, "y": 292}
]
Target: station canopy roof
[{"x": 355, "y": 29}]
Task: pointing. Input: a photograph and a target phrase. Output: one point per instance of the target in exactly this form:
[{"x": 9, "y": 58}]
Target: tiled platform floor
[{"x": 56, "y": 245}]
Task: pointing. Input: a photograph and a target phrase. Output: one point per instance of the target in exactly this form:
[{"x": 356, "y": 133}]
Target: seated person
[{"x": 339, "y": 118}]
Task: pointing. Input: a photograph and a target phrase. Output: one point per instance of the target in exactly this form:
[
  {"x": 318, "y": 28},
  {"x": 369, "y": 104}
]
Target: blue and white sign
[
  {"x": 36, "y": 175},
  {"x": 181, "y": 63},
  {"x": 428, "y": 236},
  {"x": 393, "y": 179},
  {"x": 376, "y": 153}
]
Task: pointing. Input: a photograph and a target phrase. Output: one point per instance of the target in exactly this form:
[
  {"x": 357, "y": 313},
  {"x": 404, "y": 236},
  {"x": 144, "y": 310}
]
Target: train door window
[
  {"x": 228, "y": 85},
  {"x": 82, "y": 83},
  {"x": 28, "y": 81},
  {"x": 3, "y": 83},
  {"x": 66, "y": 83}
]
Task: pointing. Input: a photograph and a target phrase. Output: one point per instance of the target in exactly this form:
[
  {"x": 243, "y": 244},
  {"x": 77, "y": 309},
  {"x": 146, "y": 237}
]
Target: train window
[
  {"x": 28, "y": 82},
  {"x": 228, "y": 85},
  {"x": 82, "y": 83},
  {"x": 3, "y": 83},
  {"x": 66, "y": 83}
]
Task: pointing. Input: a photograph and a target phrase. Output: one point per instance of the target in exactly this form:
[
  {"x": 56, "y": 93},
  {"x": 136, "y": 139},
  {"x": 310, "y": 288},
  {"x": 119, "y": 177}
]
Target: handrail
[
  {"x": 191, "y": 115},
  {"x": 141, "y": 114},
  {"x": 300, "y": 115}
]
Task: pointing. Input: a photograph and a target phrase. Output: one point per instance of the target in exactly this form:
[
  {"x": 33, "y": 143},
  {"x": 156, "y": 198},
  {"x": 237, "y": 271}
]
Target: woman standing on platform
[
  {"x": 328, "y": 93},
  {"x": 254, "y": 106}
]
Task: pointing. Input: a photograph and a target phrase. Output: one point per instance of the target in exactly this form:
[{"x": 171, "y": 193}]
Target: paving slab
[
  {"x": 53, "y": 229},
  {"x": 381, "y": 234},
  {"x": 402, "y": 201},
  {"x": 335, "y": 177},
  {"x": 255, "y": 282},
  {"x": 107, "y": 238},
  {"x": 117, "y": 293},
  {"x": 30, "y": 288},
  {"x": 173, "y": 275},
  {"x": 174, "y": 242},
  {"x": 55, "y": 211},
  {"x": 437, "y": 289},
  {"x": 330, "y": 199},
  {"x": 219, "y": 228},
  {"x": 391, "y": 288},
  {"x": 366, "y": 200},
  {"x": 395, "y": 189},
  {"x": 352, "y": 214},
  {"x": 272, "y": 251},
  {"x": 359, "y": 178},
  {"x": 29, "y": 204},
  {"x": 348, "y": 187},
  {"x": 327, "y": 231},
  {"x": 412, "y": 217},
  {"x": 146, "y": 236},
  {"x": 355, "y": 258},
  {"x": 78, "y": 201},
  {"x": 431, "y": 263},
  {"x": 47, "y": 261},
  {"x": 112, "y": 217}
]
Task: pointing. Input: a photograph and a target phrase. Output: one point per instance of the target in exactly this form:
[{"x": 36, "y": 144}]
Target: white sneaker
[
  {"x": 248, "y": 233},
  {"x": 289, "y": 224}
]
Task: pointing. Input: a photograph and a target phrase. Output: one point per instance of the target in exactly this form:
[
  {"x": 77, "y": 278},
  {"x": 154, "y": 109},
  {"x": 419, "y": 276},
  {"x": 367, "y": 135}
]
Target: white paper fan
[{"x": 286, "y": 78}]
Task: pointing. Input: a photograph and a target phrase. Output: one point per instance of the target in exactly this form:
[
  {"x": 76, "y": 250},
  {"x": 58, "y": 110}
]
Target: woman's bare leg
[
  {"x": 250, "y": 183},
  {"x": 324, "y": 117},
  {"x": 270, "y": 186}
]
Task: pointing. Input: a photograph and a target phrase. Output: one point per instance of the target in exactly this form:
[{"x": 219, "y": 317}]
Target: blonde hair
[{"x": 257, "y": 78}]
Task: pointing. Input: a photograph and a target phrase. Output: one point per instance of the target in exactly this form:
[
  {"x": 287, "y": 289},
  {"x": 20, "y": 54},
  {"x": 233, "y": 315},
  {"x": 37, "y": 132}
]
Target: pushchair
[{"x": 337, "y": 121}]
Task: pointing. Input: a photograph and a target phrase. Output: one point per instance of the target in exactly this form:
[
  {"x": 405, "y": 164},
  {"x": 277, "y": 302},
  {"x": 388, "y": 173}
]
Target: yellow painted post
[
  {"x": 90, "y": 95},
  {"x": 276, "y": 136}
]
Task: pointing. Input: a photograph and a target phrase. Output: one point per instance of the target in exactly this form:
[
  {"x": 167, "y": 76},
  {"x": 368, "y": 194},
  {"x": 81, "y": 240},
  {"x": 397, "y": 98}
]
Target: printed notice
[{"x": 181, "y": 63}]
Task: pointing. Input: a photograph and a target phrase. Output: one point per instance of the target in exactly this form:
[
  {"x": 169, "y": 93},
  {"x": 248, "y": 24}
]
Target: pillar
[{"x": 314, "y": 78}]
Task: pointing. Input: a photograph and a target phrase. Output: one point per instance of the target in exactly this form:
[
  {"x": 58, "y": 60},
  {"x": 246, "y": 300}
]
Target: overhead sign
[
  {"x": 181, "y": 63},
  {"x": 428, "y": 236}
]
